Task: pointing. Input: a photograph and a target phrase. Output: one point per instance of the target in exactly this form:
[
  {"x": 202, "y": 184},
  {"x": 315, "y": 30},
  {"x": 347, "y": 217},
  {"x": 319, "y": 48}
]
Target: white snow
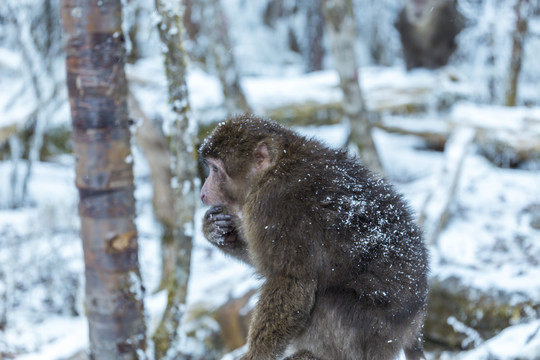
[
  {"x": 262, "y": 91},
  {"x": 516, "y": 342},
  {"x": 59, "y": 338},
  {"x": 489, "y": 242},
  {"x": 489, "y": 202}
]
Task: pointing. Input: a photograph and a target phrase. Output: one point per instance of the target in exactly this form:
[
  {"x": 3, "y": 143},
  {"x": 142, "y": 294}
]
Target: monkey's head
[{"x": 237, "y": 153}]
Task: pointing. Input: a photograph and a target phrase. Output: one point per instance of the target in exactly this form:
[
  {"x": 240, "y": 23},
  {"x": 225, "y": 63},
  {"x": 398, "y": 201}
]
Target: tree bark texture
[
  {"x": 184, "y": 172},
  {"x": 341, "y": 32},
  {"x": 95, "y": 57},
  {"x": 518, "y": 41}
]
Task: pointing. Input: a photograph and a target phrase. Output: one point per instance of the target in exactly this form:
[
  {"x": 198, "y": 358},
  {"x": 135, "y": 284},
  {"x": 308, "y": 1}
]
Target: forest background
[{"x": 461, "y": 142}]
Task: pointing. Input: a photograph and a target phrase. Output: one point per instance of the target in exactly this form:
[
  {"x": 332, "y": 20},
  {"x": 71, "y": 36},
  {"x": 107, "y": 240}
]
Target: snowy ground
[{"x": 488, "y": 243}]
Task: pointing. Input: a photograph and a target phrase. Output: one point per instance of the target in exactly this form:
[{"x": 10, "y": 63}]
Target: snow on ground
[
  {"x": 60, "y": 338},
  {"x": 488, "y": 241},
  {"x": 516, "y": 342}
]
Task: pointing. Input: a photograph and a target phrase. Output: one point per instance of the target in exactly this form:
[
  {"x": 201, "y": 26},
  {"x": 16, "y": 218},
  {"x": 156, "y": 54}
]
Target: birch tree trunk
[
  {"x": 518, "y": 39},
  {"x": 96, "y": 82},
  {"x": 341, "y": 32},
  {"x": 184, "y": 171}
]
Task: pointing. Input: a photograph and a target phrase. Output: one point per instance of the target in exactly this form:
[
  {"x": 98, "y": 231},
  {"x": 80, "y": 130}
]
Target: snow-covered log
[
  {"x": 508, "y": 137},
  {"x": 463, "y": 316}
]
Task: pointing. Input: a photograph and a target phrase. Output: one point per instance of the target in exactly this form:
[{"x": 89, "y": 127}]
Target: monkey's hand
[{"x": 219, "y": 228}]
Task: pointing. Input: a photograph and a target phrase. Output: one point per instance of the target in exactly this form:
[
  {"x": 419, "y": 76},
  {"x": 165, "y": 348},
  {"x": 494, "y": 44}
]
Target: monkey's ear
[{"x": 262, "y": 156}]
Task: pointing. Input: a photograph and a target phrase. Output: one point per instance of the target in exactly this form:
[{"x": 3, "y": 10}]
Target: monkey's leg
[
  {"x": 282, "y": 312},
  {"x": 302, "y": 355}
]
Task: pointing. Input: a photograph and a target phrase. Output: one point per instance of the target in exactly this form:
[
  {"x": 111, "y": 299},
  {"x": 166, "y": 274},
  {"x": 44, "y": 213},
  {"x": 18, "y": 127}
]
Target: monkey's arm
[
  {"x": 281, "y": 314},
  {"x": 221, "y": 231}
]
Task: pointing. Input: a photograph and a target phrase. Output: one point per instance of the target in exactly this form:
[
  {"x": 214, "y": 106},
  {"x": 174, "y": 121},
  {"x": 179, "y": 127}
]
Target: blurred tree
[
  {"x": 132, "y": 10},
  {"x": 214, "y": 25},
  {"x": 95, "y": 57},
  {"x": 313, "y": 47},
  {"x": 341, "y": 33},
  {"x": 208, "y": 28},
  {"x": 523, "y": 10},
  {"x": 184, "y": 172},
  {"x": 375, "y": 27},
  {"x": 38, "y": 39},
  {"x": 153, "y": 142},
  {"x": 305, "y": 24}
]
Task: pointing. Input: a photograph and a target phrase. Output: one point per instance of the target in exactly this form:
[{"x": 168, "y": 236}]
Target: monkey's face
[
  {"x": 212, "y": 192},
  {"x": 219, "y": 188}
]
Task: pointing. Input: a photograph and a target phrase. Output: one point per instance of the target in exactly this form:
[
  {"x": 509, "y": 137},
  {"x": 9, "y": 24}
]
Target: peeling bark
[{"x": 95, "y": 57}]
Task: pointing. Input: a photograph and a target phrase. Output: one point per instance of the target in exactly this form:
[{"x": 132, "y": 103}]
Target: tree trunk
[
  {"x": 313, "y": 47},
  {"x": 518, "y": 40},
  {"x": 341, "y": 32},
  {"x": 104, "y": 176},
  {"x": 167, "y": 336},
  {"x": 220, "y": 54}
]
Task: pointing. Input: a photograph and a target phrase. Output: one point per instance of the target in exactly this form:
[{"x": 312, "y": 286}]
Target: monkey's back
[{"x": 324, "y": 215}]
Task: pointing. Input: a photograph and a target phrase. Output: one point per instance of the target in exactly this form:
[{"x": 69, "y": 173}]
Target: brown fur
[
  {"x": 345, "y": 266},
  {"x": 429, "y": 38}
]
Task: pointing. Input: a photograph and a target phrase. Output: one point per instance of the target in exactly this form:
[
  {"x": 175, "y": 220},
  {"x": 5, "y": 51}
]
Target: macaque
[
  {"x": 428, "y": 30},
  {"x": 343, "y": 263}
]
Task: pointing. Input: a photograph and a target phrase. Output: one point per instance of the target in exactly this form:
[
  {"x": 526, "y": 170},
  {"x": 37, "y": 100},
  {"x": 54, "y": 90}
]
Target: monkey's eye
[{"x": 214, "y": 168}]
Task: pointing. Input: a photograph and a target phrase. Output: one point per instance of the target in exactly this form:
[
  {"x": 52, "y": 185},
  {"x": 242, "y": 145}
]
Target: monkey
[
  {"x": 344, "y": 266},
  {"x": 428, "y": 30}
]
